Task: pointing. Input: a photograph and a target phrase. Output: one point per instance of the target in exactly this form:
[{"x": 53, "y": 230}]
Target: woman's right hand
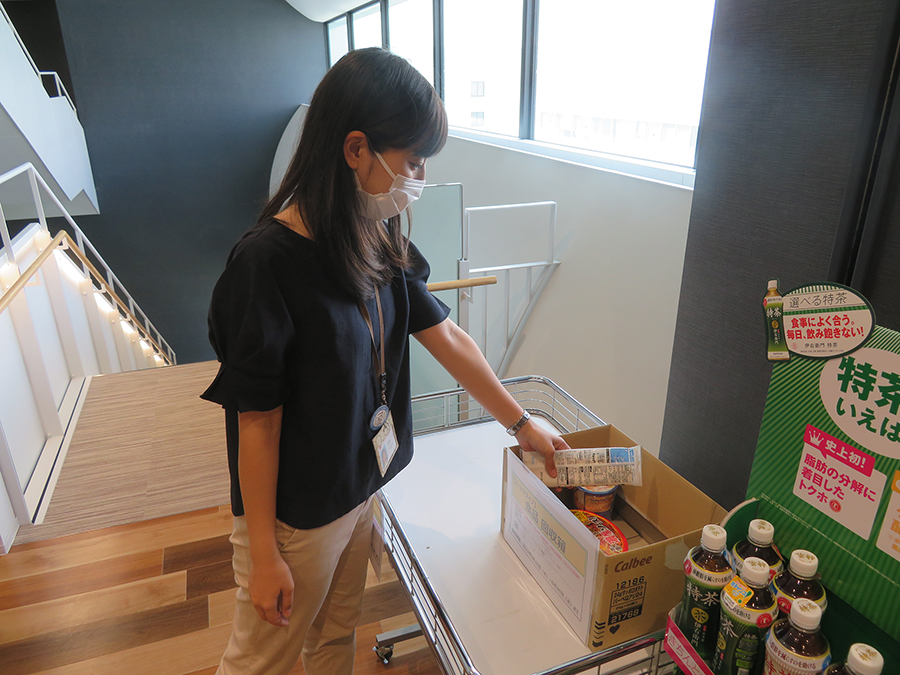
[{"x": 272, "y": 590}]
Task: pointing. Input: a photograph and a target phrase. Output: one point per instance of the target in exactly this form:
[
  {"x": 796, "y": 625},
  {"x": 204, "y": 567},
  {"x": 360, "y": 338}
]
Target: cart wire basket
[{"x": 453, "y": 408}]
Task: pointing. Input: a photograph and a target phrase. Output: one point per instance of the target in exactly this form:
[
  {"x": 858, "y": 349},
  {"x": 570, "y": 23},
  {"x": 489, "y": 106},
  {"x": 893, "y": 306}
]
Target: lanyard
[{"x": 381, "y": 368}]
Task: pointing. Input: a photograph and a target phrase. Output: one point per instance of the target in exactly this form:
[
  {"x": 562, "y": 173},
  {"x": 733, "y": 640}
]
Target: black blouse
[{"x": 287, "y": 334}]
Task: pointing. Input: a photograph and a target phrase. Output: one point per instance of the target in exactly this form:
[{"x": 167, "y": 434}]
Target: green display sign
[{"x": 827, "y": 465}]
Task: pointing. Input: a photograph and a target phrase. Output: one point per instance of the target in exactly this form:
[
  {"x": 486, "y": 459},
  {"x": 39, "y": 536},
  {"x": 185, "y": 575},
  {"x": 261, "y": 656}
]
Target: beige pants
[{"x": 329, "y": 569}]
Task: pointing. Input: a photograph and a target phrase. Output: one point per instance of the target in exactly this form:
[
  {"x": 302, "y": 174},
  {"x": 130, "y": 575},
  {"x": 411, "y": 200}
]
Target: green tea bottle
[
  {"x": 748, "y": 609},
  {"x": 773, "y": 306},
  {"x": 706, "y": 570},
  {"x": 799, "y": 580},
  {"x": 861, "y": 660},
  {"x": 795, "y": 646},
  {"x": 758, "y": 544}
]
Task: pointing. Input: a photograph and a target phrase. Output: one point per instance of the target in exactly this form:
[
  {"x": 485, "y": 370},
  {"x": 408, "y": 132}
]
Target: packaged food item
[
  {"x": 795, "y": 646},
  {"x": 748, "y": 609},
  {"x": 589, "y": 466},
  {"x": 707, "y": 571},
  {"x": 799, "y": 580},
  {"x": 861, "y": 660},
  {"x": 773, "y": 306},
  {"x": 758, "y": 544},
  {"x": 611, "y": 539},
  {"x": 597, "y": 499}
]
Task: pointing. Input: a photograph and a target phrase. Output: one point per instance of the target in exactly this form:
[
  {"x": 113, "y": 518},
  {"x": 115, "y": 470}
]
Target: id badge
[{"x": 386, "y": 444}]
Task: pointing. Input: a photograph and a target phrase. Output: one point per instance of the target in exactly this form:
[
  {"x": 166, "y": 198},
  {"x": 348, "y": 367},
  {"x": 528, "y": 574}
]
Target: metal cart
[{"x": 478, "y": 607}]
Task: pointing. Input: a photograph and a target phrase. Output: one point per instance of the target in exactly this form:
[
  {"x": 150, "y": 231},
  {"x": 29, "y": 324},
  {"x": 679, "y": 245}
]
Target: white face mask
[{"x": 403, "y": 192}]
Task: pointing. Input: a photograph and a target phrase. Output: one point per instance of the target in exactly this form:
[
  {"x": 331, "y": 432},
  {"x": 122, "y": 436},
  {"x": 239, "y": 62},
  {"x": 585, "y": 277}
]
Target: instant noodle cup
[
  {"x": 597, "y": 499},
  {"x": 611, "y": 539}
]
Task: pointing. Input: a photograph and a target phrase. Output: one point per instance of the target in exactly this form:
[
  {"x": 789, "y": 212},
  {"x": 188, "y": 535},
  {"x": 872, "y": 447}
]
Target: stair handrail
[
  {"x": 62, "y": 241},
  {"x": 60, "y": 88},
  {"x": 82, "y": 245}
]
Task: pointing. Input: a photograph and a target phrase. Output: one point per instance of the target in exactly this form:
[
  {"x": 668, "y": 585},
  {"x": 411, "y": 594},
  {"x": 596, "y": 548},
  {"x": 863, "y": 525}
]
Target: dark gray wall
[
  {"x": 789, "y": 118},
  {"x": 183, "y": 103}
]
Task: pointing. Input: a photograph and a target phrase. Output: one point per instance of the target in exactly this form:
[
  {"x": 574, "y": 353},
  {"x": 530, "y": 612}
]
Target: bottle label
[
  {"x": 785, "y": 601},
  {"x": 700, "y": 605},
  {"x": 782, "y": 661},
  {"x": 741, "y": 630}
]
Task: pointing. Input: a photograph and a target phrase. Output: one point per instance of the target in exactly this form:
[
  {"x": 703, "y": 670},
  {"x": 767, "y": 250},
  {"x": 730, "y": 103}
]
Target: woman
[{"x": 310, "y": 321}]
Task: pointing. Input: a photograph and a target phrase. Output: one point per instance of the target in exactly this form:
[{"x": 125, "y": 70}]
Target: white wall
[
  {"x": 43, "y": 130},
  {"x": 604, "y": 328}
]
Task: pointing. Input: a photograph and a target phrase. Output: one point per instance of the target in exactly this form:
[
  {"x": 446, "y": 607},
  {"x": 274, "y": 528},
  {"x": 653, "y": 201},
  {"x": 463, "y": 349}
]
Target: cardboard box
[{"x": 607, "y": 600}]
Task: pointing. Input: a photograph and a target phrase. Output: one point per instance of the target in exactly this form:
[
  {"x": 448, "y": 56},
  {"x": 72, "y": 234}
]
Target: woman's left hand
[{"x": 535, "y": 438}]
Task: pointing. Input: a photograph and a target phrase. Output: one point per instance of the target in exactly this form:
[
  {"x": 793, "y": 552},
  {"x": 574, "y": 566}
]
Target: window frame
[{"x": 525, "y": 142}]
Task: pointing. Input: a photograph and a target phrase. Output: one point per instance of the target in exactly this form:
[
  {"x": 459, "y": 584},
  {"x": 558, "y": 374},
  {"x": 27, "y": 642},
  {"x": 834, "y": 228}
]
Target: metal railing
[
  {"x": 41, "y": 74},
  {"x": 83, "y": 250},
  {"x": 514, "y": 319}
]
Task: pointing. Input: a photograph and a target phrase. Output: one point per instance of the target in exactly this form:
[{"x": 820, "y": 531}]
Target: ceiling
[{"x": 322, "y": 10}]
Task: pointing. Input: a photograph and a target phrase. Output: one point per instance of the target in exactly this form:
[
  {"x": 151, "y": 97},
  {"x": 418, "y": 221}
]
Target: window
[
  {"x": 621, "y": 78},
  {"x": 412, "y": 33},
  {"x": 367, "y": 26},
  {"x": 638, "y": 64},
  {"x": 483, "y": 43},
  {"x": 338, "y": 42}
]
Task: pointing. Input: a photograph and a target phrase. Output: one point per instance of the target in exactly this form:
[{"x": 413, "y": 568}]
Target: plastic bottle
[
  {"x": 707, "y": 571},
  {"x": 773, "y": 306},
  {"x": 861, "y": 660},
  {"x": 748, "y": 609},
  {"x": 759, "y": 545},
  {"x": 799, "y": 580},
  {"x": 795, "y": 646}
]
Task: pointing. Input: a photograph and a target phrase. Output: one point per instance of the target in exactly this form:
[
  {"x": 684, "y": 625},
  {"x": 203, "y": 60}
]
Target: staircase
[{"x": 64, "y": 319}]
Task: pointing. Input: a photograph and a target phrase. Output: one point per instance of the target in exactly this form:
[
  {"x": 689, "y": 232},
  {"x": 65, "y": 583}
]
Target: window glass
[
  {"x": 623, "y": 76},
  {"x": 338, "y": 44},
  {"x": 412, "y": 33},
  {"x": 483, "y": 64},
  {"x": 367, "y": 27}
]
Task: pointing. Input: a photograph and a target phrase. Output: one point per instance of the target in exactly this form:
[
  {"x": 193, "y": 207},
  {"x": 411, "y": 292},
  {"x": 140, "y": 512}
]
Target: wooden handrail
[
  {"x": 60, "y": 241},
  {"x": 461, "y": 283}
]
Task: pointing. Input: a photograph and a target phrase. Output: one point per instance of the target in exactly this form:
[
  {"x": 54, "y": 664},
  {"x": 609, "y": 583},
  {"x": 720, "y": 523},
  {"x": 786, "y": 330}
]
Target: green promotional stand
[{"x": 827, "y": 468}]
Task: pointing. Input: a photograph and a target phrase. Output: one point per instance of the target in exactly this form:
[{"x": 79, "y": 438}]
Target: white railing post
[
  {"x": 7, "y": 243},
  {"x": 95, "y": 322},
  {"x": 38, "y": 202}
]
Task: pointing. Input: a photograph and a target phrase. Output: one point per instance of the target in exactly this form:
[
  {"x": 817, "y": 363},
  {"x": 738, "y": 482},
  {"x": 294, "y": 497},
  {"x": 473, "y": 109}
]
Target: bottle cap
[
  {"x": 804, "y": 564},
  {"x": 773, "y": 283},
  {"x": 713, "y": 538},
  {"x": 755, "y": 572},
  {"x": 806, "y": 614},
  {"x": 761, "y": 532},
  {"x": 865, "y": 660}
]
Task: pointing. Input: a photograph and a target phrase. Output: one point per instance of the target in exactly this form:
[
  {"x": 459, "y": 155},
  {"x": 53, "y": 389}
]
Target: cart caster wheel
[{"x": 384, "y": 653}]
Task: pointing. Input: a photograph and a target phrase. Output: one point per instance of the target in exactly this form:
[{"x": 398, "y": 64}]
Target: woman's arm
[
  {"x": 457, "y": 352},
  {"x": 271, "y": 583}
]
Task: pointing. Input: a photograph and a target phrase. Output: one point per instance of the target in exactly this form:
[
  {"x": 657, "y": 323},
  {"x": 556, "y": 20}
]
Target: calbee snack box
[{"x": 607, "y": 599}]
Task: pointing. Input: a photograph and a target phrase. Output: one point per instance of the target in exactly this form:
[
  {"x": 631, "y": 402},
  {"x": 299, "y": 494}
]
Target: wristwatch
[{"x": 515, "y": 428}]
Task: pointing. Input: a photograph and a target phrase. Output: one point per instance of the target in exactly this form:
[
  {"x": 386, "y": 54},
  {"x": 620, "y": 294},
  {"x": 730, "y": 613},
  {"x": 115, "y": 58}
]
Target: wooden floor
[
  {"x": 154, "y": 597},
  {"x": 145, "y": 446}
]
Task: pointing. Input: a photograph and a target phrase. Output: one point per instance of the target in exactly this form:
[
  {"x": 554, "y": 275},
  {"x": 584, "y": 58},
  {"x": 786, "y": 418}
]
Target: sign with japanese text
[
  {"x": 827, "y": 461},
  {"x": 826, "y": 320},
  {"x": 840, "y": 481},
  {"x": 563, "y": 561}
]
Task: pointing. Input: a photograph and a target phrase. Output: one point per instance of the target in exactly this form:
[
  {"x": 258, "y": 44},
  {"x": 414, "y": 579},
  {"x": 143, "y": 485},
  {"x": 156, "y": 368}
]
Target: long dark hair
[{"x": 383, "y": 96}]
